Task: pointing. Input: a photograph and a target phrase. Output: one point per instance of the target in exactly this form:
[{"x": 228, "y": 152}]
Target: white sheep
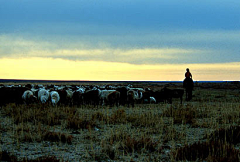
[
  {"x": 54, "y": 97},
  {"x": 43, "y": 95}
]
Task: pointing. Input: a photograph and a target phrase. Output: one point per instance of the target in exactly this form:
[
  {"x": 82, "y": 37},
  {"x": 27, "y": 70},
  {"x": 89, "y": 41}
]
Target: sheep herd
[{"x": 85, "y": 95}]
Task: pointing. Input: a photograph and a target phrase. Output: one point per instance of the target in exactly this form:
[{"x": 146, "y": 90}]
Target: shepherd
[{"x": 188, "y": 84}]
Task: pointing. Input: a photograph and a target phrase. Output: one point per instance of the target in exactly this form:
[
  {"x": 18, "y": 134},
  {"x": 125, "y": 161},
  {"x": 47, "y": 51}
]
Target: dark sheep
[
  {"x": 123, "y": 95},
  {"x": 92, "y": 97},
  {"x": 113, "y": 98}
]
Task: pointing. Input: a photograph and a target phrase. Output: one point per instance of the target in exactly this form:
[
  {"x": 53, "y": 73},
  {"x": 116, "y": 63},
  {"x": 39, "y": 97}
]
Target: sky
[{"x": 109, "y": 40}]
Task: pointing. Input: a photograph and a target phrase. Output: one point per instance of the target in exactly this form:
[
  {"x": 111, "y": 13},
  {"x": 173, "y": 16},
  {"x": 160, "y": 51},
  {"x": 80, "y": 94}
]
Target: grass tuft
[
  {"x": 210, "y": 151},
  {"x": 57, "y": 137},
  {"x": 78, "y": 123},
  {"x": 181, "y": 115},
  {"x": 230, "y": 135},
  {"x": 130, "y": 144}
]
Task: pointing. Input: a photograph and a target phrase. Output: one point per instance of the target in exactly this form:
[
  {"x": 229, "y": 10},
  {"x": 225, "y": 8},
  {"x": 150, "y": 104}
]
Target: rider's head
[{"x": 187, "y": 69}]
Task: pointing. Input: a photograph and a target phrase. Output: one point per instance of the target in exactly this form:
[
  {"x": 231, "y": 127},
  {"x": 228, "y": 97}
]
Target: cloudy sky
[{"x": 120, "y": 39}]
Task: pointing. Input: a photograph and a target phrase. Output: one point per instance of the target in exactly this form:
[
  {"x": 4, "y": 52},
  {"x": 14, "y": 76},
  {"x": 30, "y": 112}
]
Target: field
[{"x": 206, "y": 128}]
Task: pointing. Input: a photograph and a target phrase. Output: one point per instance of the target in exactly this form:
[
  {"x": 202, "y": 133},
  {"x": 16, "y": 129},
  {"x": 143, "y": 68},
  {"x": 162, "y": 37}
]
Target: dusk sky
[{"x": 152, "y": 40}]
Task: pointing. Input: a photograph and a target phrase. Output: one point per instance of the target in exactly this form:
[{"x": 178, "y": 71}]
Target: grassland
[{"x": 206, "y": 128}]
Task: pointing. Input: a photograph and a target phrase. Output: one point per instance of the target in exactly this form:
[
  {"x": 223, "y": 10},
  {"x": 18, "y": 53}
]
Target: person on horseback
[
  {"x": 188, "y": 84},
  {"x": 188, "y": 74}
]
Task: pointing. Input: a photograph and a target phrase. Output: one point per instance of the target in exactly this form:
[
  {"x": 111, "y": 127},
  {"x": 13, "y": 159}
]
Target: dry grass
[
  {"x": 6, "y": 156},
  {"x": 229, "y": 135},
  {"x": 57, "y": 137},
  {"x": 209, "y": 151},
  {"x": 43, "y": 159},
  {"x": 203, "y": 129}
]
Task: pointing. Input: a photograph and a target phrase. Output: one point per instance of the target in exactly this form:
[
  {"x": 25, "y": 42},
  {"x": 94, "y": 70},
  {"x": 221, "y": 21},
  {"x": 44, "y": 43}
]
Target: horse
[{"x": 188, "y": 85}]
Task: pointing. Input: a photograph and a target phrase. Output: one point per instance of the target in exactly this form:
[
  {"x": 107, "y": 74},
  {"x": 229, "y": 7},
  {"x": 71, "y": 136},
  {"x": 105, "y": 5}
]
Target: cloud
[
  {"x": 20, "y": 47},
  {"x": 134, "y": 56},
  {"x": 170, "y": 47}
]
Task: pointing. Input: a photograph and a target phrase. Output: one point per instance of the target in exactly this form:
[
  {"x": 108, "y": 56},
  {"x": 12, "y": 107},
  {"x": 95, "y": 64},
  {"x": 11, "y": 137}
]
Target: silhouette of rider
[
  {"x": 188, "y": 75},
  {"x": 188, "y": 84}
]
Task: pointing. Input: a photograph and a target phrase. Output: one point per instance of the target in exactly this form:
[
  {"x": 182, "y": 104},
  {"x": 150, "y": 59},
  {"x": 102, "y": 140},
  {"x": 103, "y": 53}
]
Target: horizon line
[{"x": 46, "y": 80}]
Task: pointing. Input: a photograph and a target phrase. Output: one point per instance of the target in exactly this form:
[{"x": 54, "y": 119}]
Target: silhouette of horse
[{"x": 188, "y": 85}]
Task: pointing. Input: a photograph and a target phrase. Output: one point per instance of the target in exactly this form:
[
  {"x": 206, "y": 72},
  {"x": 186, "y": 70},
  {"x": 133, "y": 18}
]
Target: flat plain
[{"x": 203, "y": 129}]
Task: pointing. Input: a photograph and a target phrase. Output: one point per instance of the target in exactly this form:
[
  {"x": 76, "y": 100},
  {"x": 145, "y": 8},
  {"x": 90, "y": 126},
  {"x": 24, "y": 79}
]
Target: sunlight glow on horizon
[{"x": 60, "y": 69}]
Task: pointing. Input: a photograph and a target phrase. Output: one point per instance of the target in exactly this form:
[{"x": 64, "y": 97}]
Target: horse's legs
[{"x": 186, "y": 94}]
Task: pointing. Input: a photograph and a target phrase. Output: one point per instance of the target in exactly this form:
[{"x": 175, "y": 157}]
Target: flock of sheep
[
  {"x": 43, "y": 96},
  {"x": 105, "y": 95},
  {"x": 85, "y": 95}
]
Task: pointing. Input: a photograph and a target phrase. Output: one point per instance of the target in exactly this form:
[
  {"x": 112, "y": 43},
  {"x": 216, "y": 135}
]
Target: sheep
[
  {"x": 104, "y": 94},
  {"x": 54, "y": 97},
  {"x": 134, "y": 96},
  {"x": 28, "y": 97},
  {"x": 43, "y": 95}
]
